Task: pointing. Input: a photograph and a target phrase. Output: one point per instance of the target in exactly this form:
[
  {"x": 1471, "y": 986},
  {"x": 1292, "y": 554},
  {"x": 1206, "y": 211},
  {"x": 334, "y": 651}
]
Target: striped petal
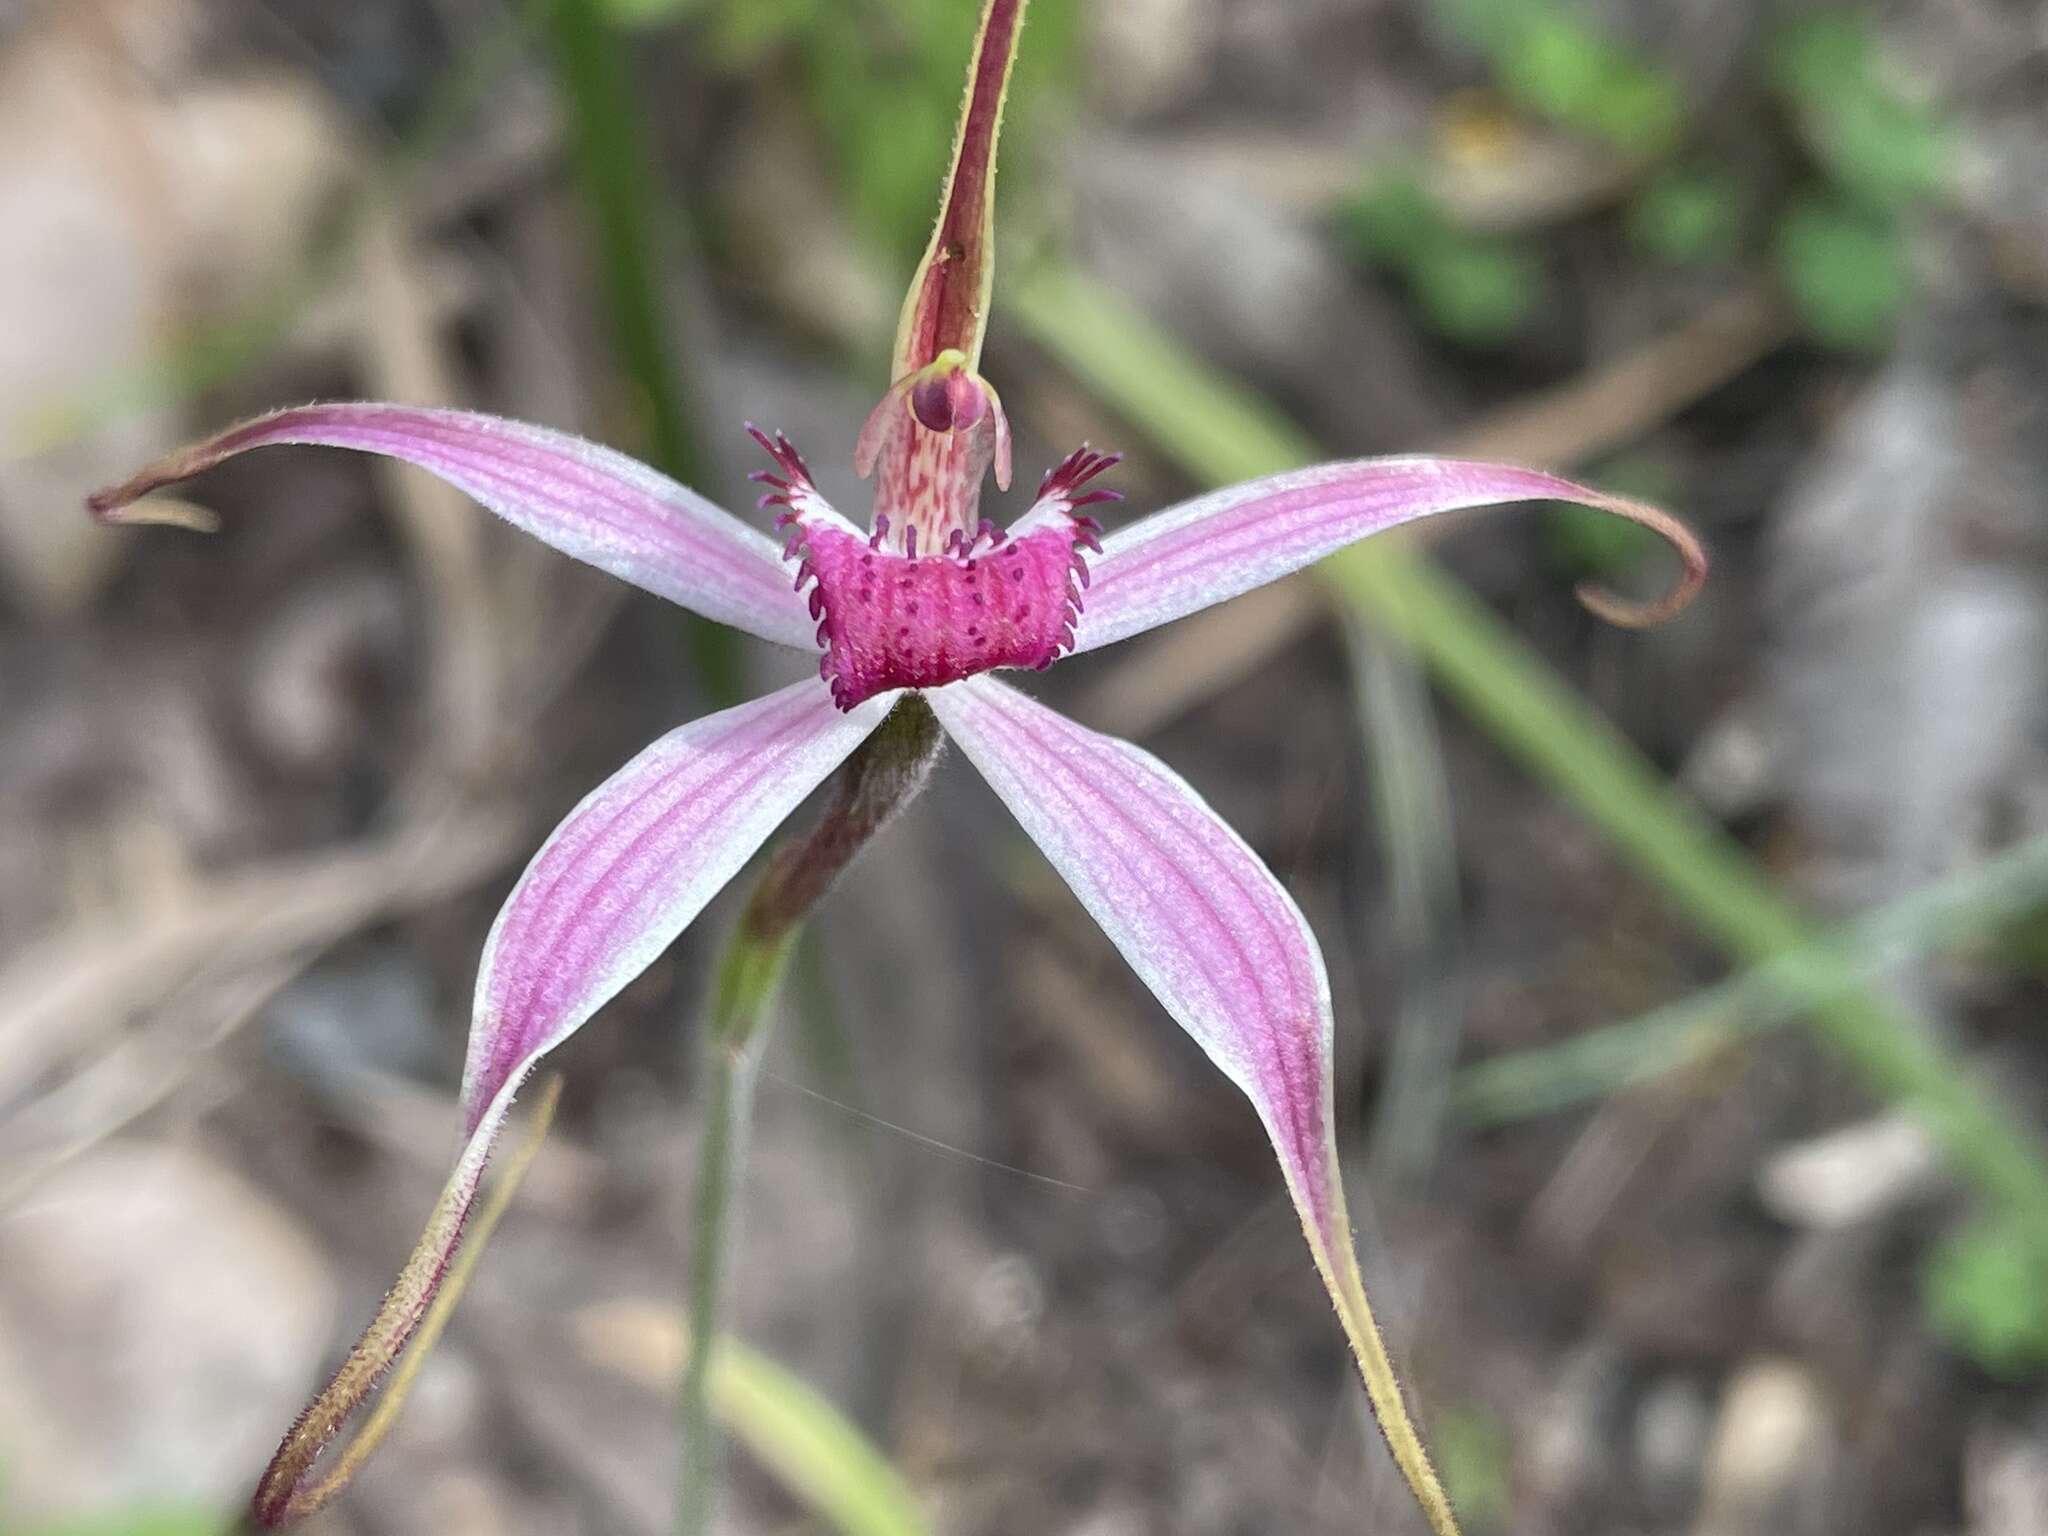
[
  {"x": 1222, "y": 946},
  {"x": 1209, "y": 550},
  {"x": 592, "y": 502},
  {"x": 632, "y": 865},
  {"x": 614, "y": 885}
]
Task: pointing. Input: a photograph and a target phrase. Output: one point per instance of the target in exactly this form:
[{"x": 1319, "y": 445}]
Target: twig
[{"x": 82, "y": 982}]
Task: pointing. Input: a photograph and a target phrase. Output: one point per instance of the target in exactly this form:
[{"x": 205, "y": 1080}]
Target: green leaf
[
  {"x": 1551, "y": 62},
  {"x": 1845, "y": 270},
  {"x": 1640, "y": 111},
  {"x": 1390, "y": 219},
  {"x": 1476, "y": 1458},
  {"x": 810, "y": 1447},
  {"x": 647, "y": 13},
  {"x": 745, "y": 34},
  {"x": 1689, "y": 217},
  {"x": 1475, "y": 290},
  {"x": 1889, "y": 152},
  {"x": 1884, "y": 149},
  {"x": 1557, "y": 66},
  {"x": 1822, "y": 55},
  {"x": 1986, "y": 1293},
  {"x": 1574, "y": 75}
]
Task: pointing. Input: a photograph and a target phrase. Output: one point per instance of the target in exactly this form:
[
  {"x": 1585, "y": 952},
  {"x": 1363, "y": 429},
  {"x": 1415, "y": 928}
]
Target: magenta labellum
[{"x": 911, "y": 619}]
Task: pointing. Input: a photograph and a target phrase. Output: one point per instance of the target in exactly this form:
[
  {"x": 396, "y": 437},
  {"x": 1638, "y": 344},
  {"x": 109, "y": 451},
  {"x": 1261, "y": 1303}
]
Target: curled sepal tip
[
  {"x": 402, "y": 1334},
  {"x": 1631, "y": 613}
]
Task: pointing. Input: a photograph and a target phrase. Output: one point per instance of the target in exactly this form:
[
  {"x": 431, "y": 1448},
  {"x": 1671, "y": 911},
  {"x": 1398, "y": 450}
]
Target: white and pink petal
[
  {"x": 619, "y": 879},
  {"x": 634, "y": 864},
  {"x": 1208, "y": 550},
  {"x": 588, "y": 501},
  {"x": 1223, "y": 947}
]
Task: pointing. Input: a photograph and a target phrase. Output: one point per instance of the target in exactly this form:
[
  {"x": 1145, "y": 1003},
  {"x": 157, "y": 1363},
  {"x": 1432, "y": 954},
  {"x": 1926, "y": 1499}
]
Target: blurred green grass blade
[
  {"x": 1981, "y": 1292},
  {"x": 634, "y": 228},
  {"x": 1414, "y": 828},
  {"x": 142, "y": 1521},
  {"x": 810, "y": 1447},
  {"x": 1220, "y": 432},
  {"x": 1975, "y": 902},
  {"x": 1213, "y": 427},
  {"x": 615, "y": 171}
]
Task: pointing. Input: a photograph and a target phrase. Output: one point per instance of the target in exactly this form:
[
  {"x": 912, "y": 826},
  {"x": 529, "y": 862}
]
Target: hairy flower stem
[{"x": 882, "y": 777}]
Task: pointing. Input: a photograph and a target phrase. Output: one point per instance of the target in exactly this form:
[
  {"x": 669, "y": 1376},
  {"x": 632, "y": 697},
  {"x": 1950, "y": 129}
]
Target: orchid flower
[{"x": 929, "y": 599}]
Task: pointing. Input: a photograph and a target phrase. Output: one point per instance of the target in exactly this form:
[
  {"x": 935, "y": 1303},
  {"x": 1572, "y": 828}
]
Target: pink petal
[
  {"x": 1205, "y": 551},
  {"x": 588, "y": 501},
  {"x": 1198, "y": 916},
  {"x": 1224, "y": 949},
  {"x": 613, "y": 886},
  {"x": 634, "y": 863}
]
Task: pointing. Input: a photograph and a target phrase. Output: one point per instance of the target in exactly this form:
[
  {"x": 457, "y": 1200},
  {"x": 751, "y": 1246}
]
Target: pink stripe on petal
[
  {"x": 588, "y": 501},
  {"x": 633, "y": 864},
  {"x": 613, "y": 886},
  {"x": 1224, "y": 949},
  {"x": 1191, "y": 907},
  {"x": 1214, "y": 547}
]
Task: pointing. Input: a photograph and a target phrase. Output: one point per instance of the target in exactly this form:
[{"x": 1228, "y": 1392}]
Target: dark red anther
[{"x": 948, "y": 400}]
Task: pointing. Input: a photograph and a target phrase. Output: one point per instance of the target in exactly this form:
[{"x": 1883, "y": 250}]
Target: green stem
[
  {"x": 884, "y": 774},
  {"x": 749, "y": 976},
  {"x": 636, "y": 233}
]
